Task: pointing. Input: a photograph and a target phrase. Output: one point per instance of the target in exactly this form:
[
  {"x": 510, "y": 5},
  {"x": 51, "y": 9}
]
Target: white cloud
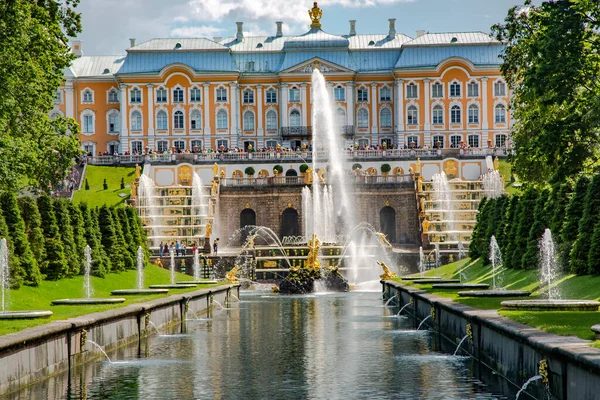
[{"x": 196, "y": 31}]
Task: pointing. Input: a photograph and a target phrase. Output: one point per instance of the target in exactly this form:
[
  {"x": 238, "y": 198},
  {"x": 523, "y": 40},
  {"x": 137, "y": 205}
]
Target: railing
[
  {"x": 300, "y": 180},
  {"x": 296, "y": 131}
]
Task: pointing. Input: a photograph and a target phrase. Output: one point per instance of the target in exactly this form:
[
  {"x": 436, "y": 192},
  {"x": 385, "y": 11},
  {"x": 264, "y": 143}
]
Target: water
[
  {"x": 331, "y": 346},
  {"x": 199, "y": 203},
  {"x": 147, "y": 199},
  {"x": 531, "y": 380},
  {"x": 460, "y": 344},
  {"x": 402, "y": 309},
  {"x": 438, "y": 259},
  {"x": 548, "y": 264},
  {"x": 421, "y": 261},
  {"x": 140, "y": 267},
  {"x": 154, "y": 326},
  {"x": 100, "y": 348},
  {"x": 493, "y": 185},
  {"x": 496, "y": 260},
  {"x": 462, "y": 252},
  {"x": 4, "y": 275},
  {"x": 172, "y": 265},
  {"x": 196, "y": 265},
  {"x": 422, "y": 322},
  {"x": 442, "y": 198},
  {"x": 87, "y": 272},
  {"x": 390, "y": 299}
]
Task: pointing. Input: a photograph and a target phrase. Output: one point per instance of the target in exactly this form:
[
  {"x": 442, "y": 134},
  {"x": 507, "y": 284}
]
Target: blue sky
[{"x": 108, "y": 24}]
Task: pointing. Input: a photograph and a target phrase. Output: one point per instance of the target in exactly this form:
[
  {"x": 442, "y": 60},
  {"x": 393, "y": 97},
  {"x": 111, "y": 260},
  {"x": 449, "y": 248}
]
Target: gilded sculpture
[
  {"x": 138, "y": 171},
  {"x": 208, "y": 230},
  {"x": 384, "y": 240},
  {"x": 230, "y": 276},
  {"x": 320, "y": 175},
  {"x": 387, "y": 274},
  {"x": 312, "y": 260},
  {"x": 315, "y": 15},
  {"x": 215, "y": 169},
  {"x": 425, "y": 224}
]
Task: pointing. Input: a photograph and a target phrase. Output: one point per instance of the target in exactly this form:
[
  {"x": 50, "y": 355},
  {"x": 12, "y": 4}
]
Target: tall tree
[
  {"x": 55, "y": 265},
  {"x": 128, "y": 257},
  {"x": 589, "y": 219},
  {"x": 525, "y": 220},
  {"x": 100, "y": 261},
  {"x": 531, "y": 257},
  {"x": 557, "y": 109},
  {"x": 35, "y": 52},
  {"x": 110, "y": 240},
  {"x": 477, "y": 237},
  {"x": 33, "y": 227},
  {"x": 556, "y": 207},
  {"x": 63, "y": 218},
  {"x": 573, "y": 214},
  {"x": 78, "y": 225}
]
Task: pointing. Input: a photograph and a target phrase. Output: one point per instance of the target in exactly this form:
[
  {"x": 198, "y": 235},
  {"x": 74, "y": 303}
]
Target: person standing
[
  {"x": 215, "y": 246},
  {"x": 160, "y": 249},
  {"x": 177, "y": 248}
]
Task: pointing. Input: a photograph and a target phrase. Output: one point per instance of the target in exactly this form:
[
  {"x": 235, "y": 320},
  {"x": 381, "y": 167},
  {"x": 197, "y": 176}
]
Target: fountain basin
[
  {"x": 495, "y": 293},
  {"x": 426, "y": 281},
  {"x": 201, "y": 282},
  {"x": 460, "y": 286},
  {"x": 125, "y": 292},
  {"x": 596, "y": 330},
  {"x": 26, "y": 314},
  {"x": 173, "y": 286},
  {"x": 551, "y": 305},
  {"x": 86, "y": 301},
  {"x": 418, "y": 278}
]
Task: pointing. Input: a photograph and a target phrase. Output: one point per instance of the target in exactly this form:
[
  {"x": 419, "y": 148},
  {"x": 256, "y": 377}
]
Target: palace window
[
  {"x": 178, "y": 120},
  {"x": 340, "y": 117},
  {"x": 455, "y": 141},
  {"x": 179, "y": 144},
  {"x": 58, "y": 96},
  {"x": 88, "y": 123},
  {"x": 362, "y": 94},
  {"x": 362, "y": 118},
  {"x": 222, "y": 143},
  {"x": 473, "y": 114},
  {"x": 412, "y": 115},
  {"x": 249, "y": 121},
  {"x": 196, "y": 95},
  {"x": 412, "y": 91},
  {"x": 162, "y": 146},
  {"x": 500, "y": 112},
  {"x": 438, "y": 115},
  {"x": 88, "y": 96},
  {"x": 294, "y": 94},
  {"x": 271, "y": 120},
  {"x": 178, "y": 95},
  {"x": 500, "y": 140},
  {"x": 196, "y": 145},
  {"x": 437, "y": 90},
  {"x": 412, "y": 141},
  {"x": 136, "y": 121},
  {"x": 248, "y": 96},
  {"x": 113, "y": 96},
  {"x": 195, "y": 120},
  {"x": 455, "y": 115},
  {"x": 339, "y": 93},
  {"x": 385, "y": 118},
  {"x": 161, "y": 95},
  {"x": 135, "y": 96},
  {"x": 136, "y": 147},
  {"x": 271, "y": 144},
  {"x": 362, "y": 143},
  {"x": 473, "y": 140},
  {"x": 438, "y": 141},
  {"x": 455, "y": 89},
  {"x": 161, "y": 121},
  {"x": 385, "y": 94},
  {"x": 499, "y": 88},
  {"x": 222, "y": 120},
  {"x": 295, "y": 118},
  {"x": 221, "y": 95},
  {"x": 113, "y": 122},
  {"x": 271, "y": 96},
  {"x": 473, "y": 89}
]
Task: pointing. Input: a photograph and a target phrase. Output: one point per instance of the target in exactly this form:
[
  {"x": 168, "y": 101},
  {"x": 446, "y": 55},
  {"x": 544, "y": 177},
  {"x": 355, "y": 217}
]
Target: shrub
[
  {"x": 303, "y": 168},
  {"x": 33, "y": 227},
  {"x": 531, "y": 257},
  {"x": 100, "y": 261},
  {"x": 63, "y": 218},
  {"x": 105, "y": 185},
  {"x": 128, "y": 260},
  {"x": 110, "y": 241},
  {"x": 589, "y": 219},
  {"x": 386, "y": 168},
  {"x": 477, "y": 237},
  {"x": 78, "y": 226},
  {"x": 55, "y": 265},
  {"x": 277, "y": 168},
  {"x": 87, "y": 185},
  {"x": 122, "y": 183},
  {"x": 249, "y": 171},
  {"x": 525, "y": 221},
  {"x": 356, "y": 166},
  {"x": 573, "y": 214},
  {"x": 510, "y": 231}
]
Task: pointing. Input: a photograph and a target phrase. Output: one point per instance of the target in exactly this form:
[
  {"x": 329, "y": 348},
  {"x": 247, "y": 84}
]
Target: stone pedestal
[{"x": 207, "y": 248}]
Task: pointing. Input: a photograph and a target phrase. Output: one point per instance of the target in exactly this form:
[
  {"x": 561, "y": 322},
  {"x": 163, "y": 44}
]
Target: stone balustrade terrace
[{"x": 300, "y": 180}]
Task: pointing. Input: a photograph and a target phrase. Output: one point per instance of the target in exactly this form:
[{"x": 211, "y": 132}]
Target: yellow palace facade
[{"x": 434, "y": 90}]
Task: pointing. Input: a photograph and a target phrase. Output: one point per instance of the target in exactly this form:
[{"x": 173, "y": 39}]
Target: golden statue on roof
[{"x": 315, "y": 15}]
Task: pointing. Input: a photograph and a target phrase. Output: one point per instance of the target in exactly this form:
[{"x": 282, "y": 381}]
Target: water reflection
[{"x": 334, "y": 346}]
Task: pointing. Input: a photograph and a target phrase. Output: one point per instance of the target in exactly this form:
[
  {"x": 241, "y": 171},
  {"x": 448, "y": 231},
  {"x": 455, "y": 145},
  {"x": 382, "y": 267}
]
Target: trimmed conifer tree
[
  {"x": 93, "y": 238},
  {"x": 110, "y": 241},
  {"x": 33, "y": 227},
  {"x": 16, "y": 229},
  {"x": 479, "y": 230},
  {"x": 504, "y": 203},
  {"x": 132, "y": 245},
  {"x": 55, "y": 265},
  {"x": 556, "y": 208},
  {"x": 525, "y": 220},
  {"x": 63, "y": 218},
  {"x": 573, "y": 214},
  {"x": 510, "y": 231},
  {"x": 137, "y": 229},
  {"x": 531, "y": 257},
  {"x": 128, "y": 258},
  {"x": 78, "y": 226},
  {"x": 594, "y": 253},
  {"x": 16, "y": 272},
  {"x": 495, "y": 220},
  {"x": 589, "y": 219}
]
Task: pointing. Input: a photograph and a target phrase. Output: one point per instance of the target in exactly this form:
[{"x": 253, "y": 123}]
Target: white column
[
  {"x": 259, "y": 116},
  {"x": 233, "y": 118},
  {"x": 374, "y": 127},
  {"x": 150, "y": 116},
  {"x": 350, "y": 103},
  {"x": 69, "y": 103},
  {"x": 303, "y": 104},
  {"x": 206, "y": 101},
  {"x": 330, "y": 92},
  {"x": 484, "y": 112},
  {"x": 283, "y": 105},
  {"x": 399, "y": 99},
  {"x": 124, "y": 126},
  {"x": 427, "y": 125}
]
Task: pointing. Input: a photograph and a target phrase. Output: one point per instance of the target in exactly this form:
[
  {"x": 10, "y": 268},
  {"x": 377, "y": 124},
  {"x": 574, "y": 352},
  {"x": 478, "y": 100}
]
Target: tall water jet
[
  {"x": 140, "y": 267},
  {"x": 442, "y": 197},
  {"x": 493, "y": 184},
  {"x": 421, "y": 261},
  {"x": 462, "y": 252},
  {"x": 87, "y": 272},
  {"x": 172, "y": 265},
  {"x": 148, "y": 208},
  {"x": 199, "y": 202},
  {"x": 496, "y": 260},
  {"x": 438, "y": 258},
  {"x": 4, "y": 275},
  {"x": 196, "y": 266},
  {"x": 548, "y": 263}
]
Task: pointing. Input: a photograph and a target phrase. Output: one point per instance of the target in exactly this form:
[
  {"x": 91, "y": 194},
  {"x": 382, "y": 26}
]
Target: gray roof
[
  {"x": 185, "y": 44},
  {"x": 255, "y": 44},
  {"x": 316, "y": 39},
  {"x": 95, "y": 66},
  {"x": 414, "y": 57},
  {"x": 151, "y": 62},
  {"x": 379, "y": 41},
  {"x": 341, "y": 58},
  {"x": 374, "y": 61},
  {"x": 439, "y": 39}
]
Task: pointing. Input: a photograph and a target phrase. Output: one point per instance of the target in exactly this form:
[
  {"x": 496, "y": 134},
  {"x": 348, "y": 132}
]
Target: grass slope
[
  {"x": 97, "y": 196},
  {"x": 29, "y": 298},
  {"x": 504, "y": 167},
  {"x": 564, "y": 323}
]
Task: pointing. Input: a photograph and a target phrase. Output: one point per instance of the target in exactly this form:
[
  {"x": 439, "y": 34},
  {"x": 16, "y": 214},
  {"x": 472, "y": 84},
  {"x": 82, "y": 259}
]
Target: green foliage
[
  {"x": 509, "y": 230},
  {"x": 33, "y": 229},
  {"x": 63, "y": 218},
  {"x": 122, "y": 185},
  {"x": 478, "y": 235},
  {"x": 128, "y": 257},
  {"x": 525, "y": 220},
  {"x": 557, "y": 109},
  {"x": 78, "y": 226},
  {"x": 249, "y": 171},
  {"x": 110, "y": 241},
  {"x": 132, "y": 245},
  {"x": 35, "y": 52},
  {"x": 137, "y": 232},
  {"x": 531, "y": 257},
  {"x": 97, "y": 196},
  {"x": 105, "y": 185},
  {"x": 22, "y": 250},
  {"x": 386, "y": 168},
  {"x": 87, "y": 185},
  {"x": 589, "y": 219},
  {"x": 303, "y": 168},
  {"x": 556, "y": 208},
  {"x": 16, "y": 272},
  {"x": 100, "y": 261},
  {"x": 277, "y": 168},
  {"x": 55, "y": 265},
  {"x": 502, "y": 215},
  {"x": 573, "y": 214}
]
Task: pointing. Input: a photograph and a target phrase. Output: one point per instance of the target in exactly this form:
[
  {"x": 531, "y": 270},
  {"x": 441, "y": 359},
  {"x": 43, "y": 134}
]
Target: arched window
[
  {"x": 385, "y": 118},
  {"x": 195, "y": 120},
  {"x": 178, "y": 120},
  {"x": 362, "y": 118},
  {"x": 500, "y": 114},
  {"x": 473, "y": 114},
  {"x": 222, "y": 120},
  {"x": 295, "y": 118},
  {"x": 438, "y": 115},
  {"x": 87, "y": 120},
  {"x": 249, "y": 121},
  {"x": 248, "y": 96},
  {"x": 455, "y": 116},
  {"x": 340, "y": 117},
  {"x": 412, "y": 115},
  {"x": 88, "y": 96},
  {"x": 136, "y": 121},
  {"x": 271, "y": 120},
  {"x": 161, "y": 121},
  {"x": 178, "y": 95},
  {"x": 113, "y": 96}
]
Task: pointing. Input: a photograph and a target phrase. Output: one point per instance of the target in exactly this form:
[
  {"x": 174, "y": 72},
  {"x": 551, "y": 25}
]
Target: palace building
[{"x": 434, "y": 90}]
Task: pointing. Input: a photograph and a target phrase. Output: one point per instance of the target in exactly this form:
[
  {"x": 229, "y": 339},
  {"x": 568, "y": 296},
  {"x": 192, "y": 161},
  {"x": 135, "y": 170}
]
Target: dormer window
[
  {"x": 259, "y": 46},
  {"x": 177, "y": 46},
  {"x": 371, "y": 43},
  {"x": 250, "y": 66}
]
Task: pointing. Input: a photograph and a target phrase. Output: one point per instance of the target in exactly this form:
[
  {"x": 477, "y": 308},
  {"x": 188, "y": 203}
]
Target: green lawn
[
  {"x": 29, "y": 298},
  {"x": 97, "y": 196},
  {"x": 559, "y": 322},
  {"x": 504, "y": 167}
]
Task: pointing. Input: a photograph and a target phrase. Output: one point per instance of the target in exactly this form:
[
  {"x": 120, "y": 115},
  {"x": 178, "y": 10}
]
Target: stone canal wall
[
  {"x": 36, "y": 353},
  {"x": 510, "y": 349}
]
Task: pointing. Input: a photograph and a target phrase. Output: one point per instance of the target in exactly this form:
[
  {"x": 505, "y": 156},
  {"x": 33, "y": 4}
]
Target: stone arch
[
  {"x": 387, "y": 223},
  {"x": 247, "y": 217},
  {"x": 398, "y": 171},
  {"x": 291, "y": 172},
  {"x": 289, "y": 223}
]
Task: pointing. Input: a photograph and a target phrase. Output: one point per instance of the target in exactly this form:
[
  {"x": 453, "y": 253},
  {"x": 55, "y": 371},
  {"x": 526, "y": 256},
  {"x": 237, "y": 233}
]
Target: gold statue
[
  {"x": 387, "y": 274},
  {"x": 222, "y": 173},
  {"x": 316, "y": 64},
  {"x": 208, "y": 230},
  {"x": 133, "y": 190},
  {"x": 215, "y": 169},
  {"x": 384, "y": 240},
  {"x": 419, "y": 184},
  {"x": 425, "y": 224},
  {"x": 422, "y": 204},
  {"x": 215, "y": 188},
  {"x": 312, "y": 260},
  {"x": 315, "y": 15},
  {"x": 418, "y": 165},
  {"x": 158, "y": 263},
  {"x": 320, "y": 175},
  {"x": 230, "y": 276},
  {"x": 411, "y": 171},
  {"x": 309, "y": 176},
  {"x": 138, "y": 171},
  {"x": 250, "y": 242}
]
